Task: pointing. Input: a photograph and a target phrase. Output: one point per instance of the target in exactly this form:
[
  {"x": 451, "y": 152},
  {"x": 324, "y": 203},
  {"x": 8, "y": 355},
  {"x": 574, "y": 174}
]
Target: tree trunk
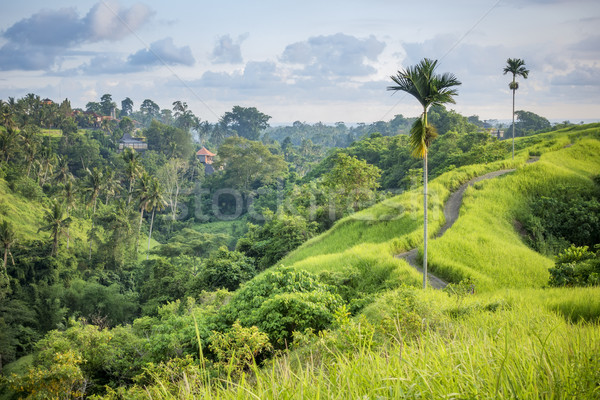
[
  {"x": 425, "y": 194},
  {"x": 425, "y": 221},
  {"x": 150, "y": 233},
  {"x": 513, "y": 119},
  {"x": 55, "y": 245},
  {"x": 130, "y": 190},
  {"x": 137, "y": 243},
  {"x": 5, "y": 258}
]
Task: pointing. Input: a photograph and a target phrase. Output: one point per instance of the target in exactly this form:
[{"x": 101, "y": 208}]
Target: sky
[{"x": 309, "y": 60}]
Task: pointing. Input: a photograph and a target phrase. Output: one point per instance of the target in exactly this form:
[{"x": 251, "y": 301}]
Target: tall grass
[
  {"x": 483, "y": 244},
  {"x": 512, "y": 352}
]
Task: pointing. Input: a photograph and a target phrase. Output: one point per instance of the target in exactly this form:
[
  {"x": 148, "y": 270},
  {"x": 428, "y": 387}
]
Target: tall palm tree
[
  {"x": 63, "y": 175},
  {"x": 141, "y": 192},
  {"x": 429, "y": 89},
  {"x": 7, "y": 239},
  {"x": 70, "y": 196},
  {"x": 154, "y": 201},
  {"x": 56, "y": 224},
  {"x": 94, "y": 185},
  {"x": 133, "y": 169},
  {"x": 516, "y": 67}
]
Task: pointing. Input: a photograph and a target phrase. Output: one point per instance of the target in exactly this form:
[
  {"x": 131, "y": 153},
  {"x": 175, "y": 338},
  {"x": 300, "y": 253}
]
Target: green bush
[
  {"x": 28, "y": 188},
  {"x": 224, "y": 270},
  {"x": 576, "y": 266},
  {"x": 239, "y": 349},
  {"x": 281, "y": 301}
]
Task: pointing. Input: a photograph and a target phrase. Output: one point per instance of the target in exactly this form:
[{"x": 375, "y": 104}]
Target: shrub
[
  {"x": 281, "y": 301},
  {"x": 239, "y": 349},
  {"x": 576, "y": 266}
]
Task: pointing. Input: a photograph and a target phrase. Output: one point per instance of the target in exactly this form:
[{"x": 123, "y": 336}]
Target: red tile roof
[{"x": 204, "y": 152}]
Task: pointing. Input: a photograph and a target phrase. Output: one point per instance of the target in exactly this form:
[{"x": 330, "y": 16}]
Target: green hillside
[{"x": 483, "y": 245}]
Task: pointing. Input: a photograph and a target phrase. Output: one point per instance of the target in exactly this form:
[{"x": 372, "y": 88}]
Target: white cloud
[{"x": 227, "y": 50}]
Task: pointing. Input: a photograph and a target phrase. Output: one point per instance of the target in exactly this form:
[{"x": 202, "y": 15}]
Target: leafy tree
[
  {"x": 107, "y": 104},
  {"x": 281, "y": 301},
  {"x": 529, "y": 123},
  {"x": 171, "y": 141},
  {"x": 516, "y": 67},
  {"x": 126, "y": 107},
  {"x": 93, "y": 107},
  {"x": 429, "y": 89},
  {"x": 352, "y": 179},
  {"x": 247, "y": 122},
  {"x": 126, "y": 125},
  {"x": 248, "y": 164},
  {"x": 56, "y": 223},
  {"x": 150, "y": 109},
  {"x": 277, "y": 237},
  {"x": 225, "y": 269}
]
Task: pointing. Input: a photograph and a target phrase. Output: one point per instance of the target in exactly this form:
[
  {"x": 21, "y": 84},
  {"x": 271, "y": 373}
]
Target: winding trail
[{"x": 451, "y": 212}]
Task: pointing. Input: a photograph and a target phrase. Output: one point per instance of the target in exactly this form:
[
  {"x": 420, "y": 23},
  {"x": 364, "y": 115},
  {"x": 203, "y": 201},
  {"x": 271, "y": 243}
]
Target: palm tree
[
  {"x": 63, "y": 175},
  {"x": 154, "y": 200},
  {"x": 133, "y": 169},
  {"x": 7, "y": 239},
  {"x": 141, "y": 192},
  {"x": 516, "y": 67},
  {"x": 70, "y": 196},
  {"x": 429, "y": 89},
  {"x": 94, "y": 185},
  {"x": 55, "y": 224}
]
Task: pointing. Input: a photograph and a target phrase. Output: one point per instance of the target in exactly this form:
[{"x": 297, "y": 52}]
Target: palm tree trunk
[
  {"x": 150, "y": 233},
  {"x": 425, "y": 206},
  {"x": 137, "y": 243},
  {"x": 425, "y": 221},
  {"x": 5, "y": 259},
  {"x": 513, "y": 120},
  {"x": 55, "y": 245}
]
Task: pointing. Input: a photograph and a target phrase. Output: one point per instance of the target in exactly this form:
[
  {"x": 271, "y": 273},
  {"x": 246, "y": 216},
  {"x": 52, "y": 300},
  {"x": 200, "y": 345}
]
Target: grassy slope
[
  {"x": 532, "y": 343},
  {"x": 482, "y": 244}
]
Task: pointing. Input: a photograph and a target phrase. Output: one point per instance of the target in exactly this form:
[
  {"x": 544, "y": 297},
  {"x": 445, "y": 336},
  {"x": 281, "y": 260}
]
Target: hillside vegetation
[{"x": 334, "y": 316}]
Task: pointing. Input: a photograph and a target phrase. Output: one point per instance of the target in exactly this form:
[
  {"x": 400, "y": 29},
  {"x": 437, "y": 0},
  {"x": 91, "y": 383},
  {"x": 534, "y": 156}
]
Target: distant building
[
  {"x": 136, "y": 144},
  {"x": 206, "y": 158},
  {"x": 48, "y": 102}
]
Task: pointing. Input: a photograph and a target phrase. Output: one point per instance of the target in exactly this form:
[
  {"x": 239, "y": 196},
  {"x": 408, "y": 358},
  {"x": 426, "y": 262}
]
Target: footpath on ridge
[{"x": 451, "y": 211}]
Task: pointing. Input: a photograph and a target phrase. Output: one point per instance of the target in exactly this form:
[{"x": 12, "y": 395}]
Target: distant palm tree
[
  {"x": 133, "y": 169},
  {"x": 516, "y": 67},
  {"x": 70, "y": 196},
  {"x": 63, "y": 175},
  {"x": 94, "y": 186},
  {"x": 429, "y": 89},
  {"x": 56, "y": 224},
  {"x": 141, "y": 193},
  {"x": 7, "y": 239},
  {"x": 154, "y": 201}
]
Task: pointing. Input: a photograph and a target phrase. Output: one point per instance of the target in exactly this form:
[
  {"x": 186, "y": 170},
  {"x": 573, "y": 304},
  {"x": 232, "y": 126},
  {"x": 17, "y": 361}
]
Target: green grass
[
  {"x": 483, "y": 244},
  {"x": 514, "y": 351},
  {"x": 23, "y": 214}
]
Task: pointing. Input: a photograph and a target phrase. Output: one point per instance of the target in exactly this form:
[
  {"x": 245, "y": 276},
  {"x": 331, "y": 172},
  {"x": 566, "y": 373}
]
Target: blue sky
[{"x": 303, "y": 60}]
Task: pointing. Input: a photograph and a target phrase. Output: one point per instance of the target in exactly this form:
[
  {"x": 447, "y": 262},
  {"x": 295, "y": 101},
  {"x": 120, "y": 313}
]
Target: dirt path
[{"x": 451, "y": 212}]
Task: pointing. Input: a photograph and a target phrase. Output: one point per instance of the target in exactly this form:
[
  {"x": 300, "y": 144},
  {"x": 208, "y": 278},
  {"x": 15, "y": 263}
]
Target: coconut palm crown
[{"x": 429, "y": 89}]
